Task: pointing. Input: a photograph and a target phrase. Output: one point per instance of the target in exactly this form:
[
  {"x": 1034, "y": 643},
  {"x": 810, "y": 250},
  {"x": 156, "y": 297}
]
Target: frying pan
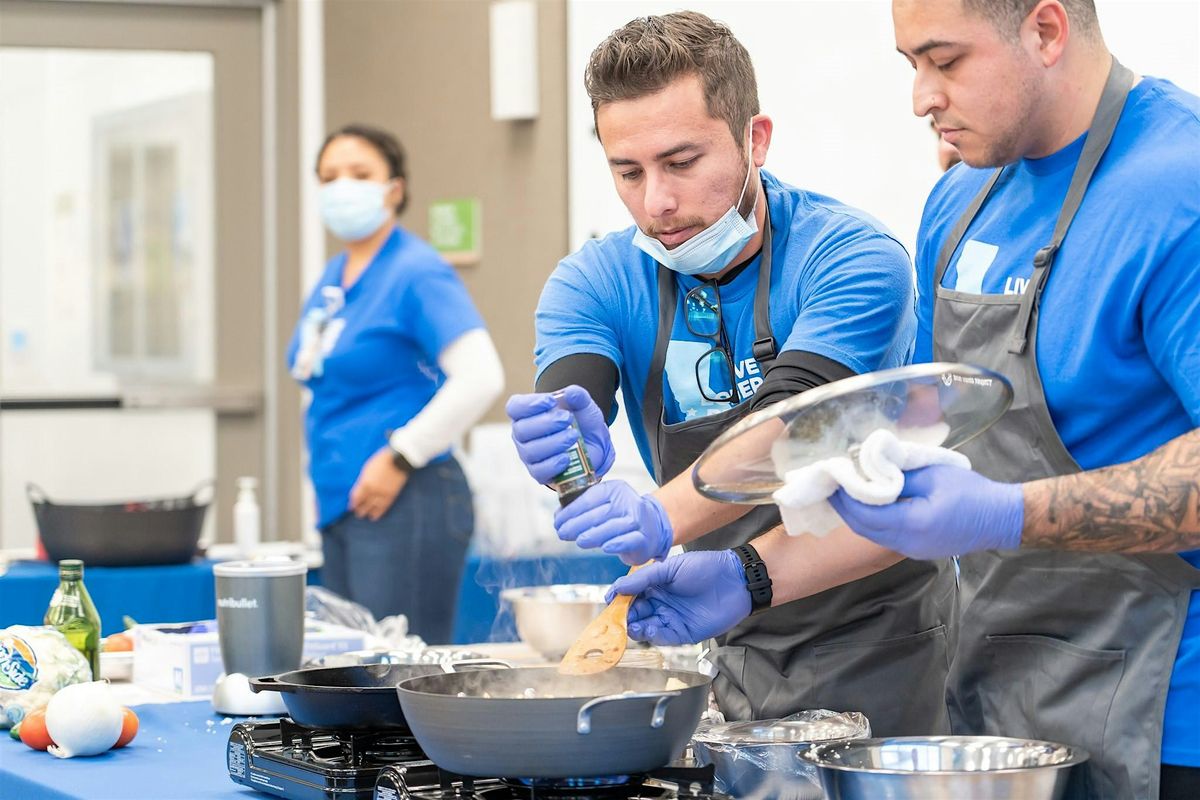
[
  {"x": 532, "y": 722},
  {"x": 361, "y": 697}
]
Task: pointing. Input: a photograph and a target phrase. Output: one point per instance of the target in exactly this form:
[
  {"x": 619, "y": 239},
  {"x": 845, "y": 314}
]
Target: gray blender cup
[{"x": 260, "y": 615}]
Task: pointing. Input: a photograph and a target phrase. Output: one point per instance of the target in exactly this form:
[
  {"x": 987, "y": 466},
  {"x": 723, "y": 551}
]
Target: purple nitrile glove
[
  {"x": 687, "y": 598},
  {"x": 942, "y": 511},
  {"x": 543, "y": 434},
  {"x": 612, "y": 516}
]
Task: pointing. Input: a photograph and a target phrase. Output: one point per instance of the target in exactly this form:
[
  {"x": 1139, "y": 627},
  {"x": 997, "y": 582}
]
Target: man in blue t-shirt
[
  {"x": 733, "y": 290},
  {"x": 1065, "y": 254}
]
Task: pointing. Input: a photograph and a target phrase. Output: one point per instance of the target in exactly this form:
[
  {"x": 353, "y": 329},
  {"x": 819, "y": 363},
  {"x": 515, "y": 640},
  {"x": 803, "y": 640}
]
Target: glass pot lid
[{"x": 939, "y": 404}]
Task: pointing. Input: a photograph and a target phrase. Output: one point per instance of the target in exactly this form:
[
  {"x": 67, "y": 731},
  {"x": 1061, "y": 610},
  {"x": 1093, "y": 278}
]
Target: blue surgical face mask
[
  {"x": 353, "y": 210},
  {"x": 712, "y": 249}
]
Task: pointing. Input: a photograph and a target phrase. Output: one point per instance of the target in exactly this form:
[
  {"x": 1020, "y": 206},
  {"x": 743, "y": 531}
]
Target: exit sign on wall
[{"x": 454, "y": 230}]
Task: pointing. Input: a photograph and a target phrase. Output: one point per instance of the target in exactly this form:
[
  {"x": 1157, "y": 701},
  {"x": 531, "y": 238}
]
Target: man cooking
[
  {"x": 732, "y": 291},
  {"x": 1066, "y": 255}
]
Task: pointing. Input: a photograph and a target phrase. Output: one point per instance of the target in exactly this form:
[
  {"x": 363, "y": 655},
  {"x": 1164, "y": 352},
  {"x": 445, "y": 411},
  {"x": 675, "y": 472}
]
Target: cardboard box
[{"x": 185, "y": 658}]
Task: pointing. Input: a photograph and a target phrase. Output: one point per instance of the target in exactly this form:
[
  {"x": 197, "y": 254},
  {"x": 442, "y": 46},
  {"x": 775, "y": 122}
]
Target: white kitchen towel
[{"x": 873, "y": 475}]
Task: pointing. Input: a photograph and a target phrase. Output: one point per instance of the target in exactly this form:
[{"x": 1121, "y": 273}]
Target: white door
[{"x": 133, "y": 267}]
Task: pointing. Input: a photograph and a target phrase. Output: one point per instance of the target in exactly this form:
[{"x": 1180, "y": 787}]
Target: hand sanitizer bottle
[{"x": 246, "y": 518}]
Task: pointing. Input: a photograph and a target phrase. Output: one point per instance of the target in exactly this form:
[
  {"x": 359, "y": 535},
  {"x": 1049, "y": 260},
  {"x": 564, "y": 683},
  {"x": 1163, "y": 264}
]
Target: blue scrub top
[
  {"x": 380, "y": 358},
  {"x": 1118, "y": 344}
]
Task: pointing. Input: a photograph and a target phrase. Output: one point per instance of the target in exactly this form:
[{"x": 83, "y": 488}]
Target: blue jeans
[{"x": 410, "y": 560}]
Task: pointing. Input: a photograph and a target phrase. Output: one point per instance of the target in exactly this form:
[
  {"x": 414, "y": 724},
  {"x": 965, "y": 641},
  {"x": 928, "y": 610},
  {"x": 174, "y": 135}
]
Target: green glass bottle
[{"x": 74, "y": 615}]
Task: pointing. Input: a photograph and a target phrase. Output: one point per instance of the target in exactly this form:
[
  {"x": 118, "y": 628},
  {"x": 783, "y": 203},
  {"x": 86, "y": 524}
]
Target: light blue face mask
[
  {"x": 712, "y": 249},
  {"x": 353, "y": 210}
]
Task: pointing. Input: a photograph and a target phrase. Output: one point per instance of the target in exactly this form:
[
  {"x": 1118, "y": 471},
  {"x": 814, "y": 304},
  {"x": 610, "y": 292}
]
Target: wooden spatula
[{"x": 603, "y": 641}]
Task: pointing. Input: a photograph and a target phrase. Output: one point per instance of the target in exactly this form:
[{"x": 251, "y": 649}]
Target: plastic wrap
[
  {"x": 326, "y": 606},
  {"x": 35, "y": 662},
  {"x": 760, "y": 759}
]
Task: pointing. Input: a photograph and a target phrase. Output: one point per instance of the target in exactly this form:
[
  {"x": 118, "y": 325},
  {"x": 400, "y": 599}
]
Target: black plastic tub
[{"x": 133, "y": 533}]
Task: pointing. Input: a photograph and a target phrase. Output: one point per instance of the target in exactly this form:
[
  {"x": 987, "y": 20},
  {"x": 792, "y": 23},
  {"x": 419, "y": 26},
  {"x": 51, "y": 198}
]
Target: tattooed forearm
[{"x": 1151, "y": 505}]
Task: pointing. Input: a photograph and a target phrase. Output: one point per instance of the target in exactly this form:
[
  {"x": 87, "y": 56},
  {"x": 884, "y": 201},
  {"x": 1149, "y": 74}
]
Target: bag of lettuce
[{"x": 35, "y": 662}]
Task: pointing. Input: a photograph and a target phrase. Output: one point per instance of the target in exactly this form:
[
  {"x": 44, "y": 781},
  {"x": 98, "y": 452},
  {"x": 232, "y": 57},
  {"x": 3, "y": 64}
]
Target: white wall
[{"x": 839, "y": 94}]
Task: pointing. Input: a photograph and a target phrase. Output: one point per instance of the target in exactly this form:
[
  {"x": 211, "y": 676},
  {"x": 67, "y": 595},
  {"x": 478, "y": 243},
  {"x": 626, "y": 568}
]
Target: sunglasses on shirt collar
[{"x": 714, "y": 369}]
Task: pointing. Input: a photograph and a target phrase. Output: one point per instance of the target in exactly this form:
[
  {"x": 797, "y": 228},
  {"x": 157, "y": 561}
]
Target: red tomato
[
  {"x": 129, "y": 728},
  {"x": 33, "y": 731}
]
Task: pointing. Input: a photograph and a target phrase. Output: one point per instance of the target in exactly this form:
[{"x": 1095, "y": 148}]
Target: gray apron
[
  {"x": 1069, "y": 647},
  {"x": 876, "y": 645}
]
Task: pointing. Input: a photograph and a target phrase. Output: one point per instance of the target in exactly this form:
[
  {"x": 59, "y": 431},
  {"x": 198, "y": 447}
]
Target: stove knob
[{"x": 390, "y": 785}]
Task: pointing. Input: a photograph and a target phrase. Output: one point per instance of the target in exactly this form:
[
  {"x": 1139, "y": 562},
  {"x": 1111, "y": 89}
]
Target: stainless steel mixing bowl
[
  {"x": 945, "y": 768},
  {"x": 550, "y": 618},
  {"x": 761, "y": 759}
]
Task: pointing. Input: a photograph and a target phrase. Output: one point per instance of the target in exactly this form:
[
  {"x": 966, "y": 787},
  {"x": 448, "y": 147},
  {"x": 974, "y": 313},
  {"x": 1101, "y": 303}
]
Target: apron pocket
[
  {"x": 1040, "y": 687},
  {"x": 729, "y": 683},
  {"x": 899, "y": 683}
]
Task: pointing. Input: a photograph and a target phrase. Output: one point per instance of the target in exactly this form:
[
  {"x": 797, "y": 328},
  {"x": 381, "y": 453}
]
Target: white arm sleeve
[{"x": 474, "y": 379}]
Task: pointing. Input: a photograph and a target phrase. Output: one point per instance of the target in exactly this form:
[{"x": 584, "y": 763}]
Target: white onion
[{"x": 83, "y": 720}]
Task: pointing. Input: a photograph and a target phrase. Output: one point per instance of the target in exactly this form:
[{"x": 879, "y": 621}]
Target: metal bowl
[
  {"x": 762, "y": 758},
  {"x": 945, "y": 768},
  {"x": 550, "y": 618},
  {"x": 423, "y": 655}
]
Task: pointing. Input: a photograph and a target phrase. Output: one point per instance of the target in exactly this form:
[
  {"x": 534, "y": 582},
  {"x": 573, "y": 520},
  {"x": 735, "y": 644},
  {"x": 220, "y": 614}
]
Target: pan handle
[
  {"x": 270, "y": 683},
  {"x": 583, "y": 723},
  {"x": 36, "y": 494},
  {"x": 206, "y": 489},
  {"x": 487, "y": 663}
]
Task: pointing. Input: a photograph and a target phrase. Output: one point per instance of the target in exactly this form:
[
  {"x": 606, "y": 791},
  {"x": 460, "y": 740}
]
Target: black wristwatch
[
  {"x": 758, "y": 582},
  {"x": 399, "y": 461}
]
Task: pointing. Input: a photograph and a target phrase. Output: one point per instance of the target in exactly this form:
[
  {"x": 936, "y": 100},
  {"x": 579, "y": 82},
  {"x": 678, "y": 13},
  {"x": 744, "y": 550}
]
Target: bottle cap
[
  {"x": 70, "y": 568},
  {"x": 247, "y": 482}
]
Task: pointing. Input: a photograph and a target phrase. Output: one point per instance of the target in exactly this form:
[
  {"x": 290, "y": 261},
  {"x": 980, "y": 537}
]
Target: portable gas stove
[
  {"x": 284, "y": 759},
  {"x": 287, "y": 760},
  {"x": 425, "y": 781}
]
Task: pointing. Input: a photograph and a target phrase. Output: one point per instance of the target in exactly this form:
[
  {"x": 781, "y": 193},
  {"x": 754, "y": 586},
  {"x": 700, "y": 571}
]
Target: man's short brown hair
[
  {"x": 1007, "y": 15},
  {"x": 648, "y": 53}
]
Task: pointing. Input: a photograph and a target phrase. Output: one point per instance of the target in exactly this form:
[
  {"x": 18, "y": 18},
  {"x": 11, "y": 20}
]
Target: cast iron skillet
[{"x": 347, "y": 698}]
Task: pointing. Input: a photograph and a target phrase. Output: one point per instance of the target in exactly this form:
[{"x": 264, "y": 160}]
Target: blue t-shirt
[
  {"x": 841, "y": 287},
  {"x": 380, "y": 358},
  {"x": 1118, "y": 344}
]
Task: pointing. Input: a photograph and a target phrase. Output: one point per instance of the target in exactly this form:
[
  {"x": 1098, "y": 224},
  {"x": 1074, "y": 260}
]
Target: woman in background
[{"x": 399, "y": 366}]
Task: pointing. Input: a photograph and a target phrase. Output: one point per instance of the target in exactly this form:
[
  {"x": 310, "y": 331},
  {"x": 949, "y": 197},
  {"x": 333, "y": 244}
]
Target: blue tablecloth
[
  {"x": 174, "y": 593},
  {"x": 481, "y": 618},
  {"x": 176, "y": 754},
  {"x": 185, "y": 592}
]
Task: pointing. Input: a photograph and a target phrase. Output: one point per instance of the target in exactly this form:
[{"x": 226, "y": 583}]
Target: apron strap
[
  {"x": 764, "y": 349},
  {"x": 652, "y": 397},
  {"x": 960, "y": 228},
  {"x": 1108, "y": 112}
]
